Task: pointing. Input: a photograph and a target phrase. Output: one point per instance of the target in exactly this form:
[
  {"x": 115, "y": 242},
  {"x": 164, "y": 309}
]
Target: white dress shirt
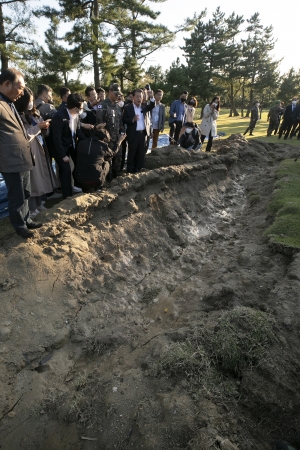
[
  {"x": 72, "y": 127},
  {"x": 140, "y": 124}
]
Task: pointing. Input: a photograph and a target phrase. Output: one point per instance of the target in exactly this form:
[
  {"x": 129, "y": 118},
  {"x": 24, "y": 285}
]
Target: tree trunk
[
  {"x": 250, "y": 102},
  {"x": 4, "y": 59},
  {"x": 95, "y": 51},
  {"x": 232, "y": 102},
  {"x": 243, "y": 98}
]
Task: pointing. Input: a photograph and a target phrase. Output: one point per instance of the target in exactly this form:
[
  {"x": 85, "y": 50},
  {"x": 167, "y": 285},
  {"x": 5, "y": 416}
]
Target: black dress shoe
[
  {"x": 25, "y": 233},
  {"x": 33, "y": 225}
]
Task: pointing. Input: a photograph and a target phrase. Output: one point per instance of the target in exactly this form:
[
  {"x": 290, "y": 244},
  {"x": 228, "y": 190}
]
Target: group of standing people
[
  {"x": 183, "y": 129},
  {"x": 282, "y": 120},
  {"x": 84, "y": 138}
]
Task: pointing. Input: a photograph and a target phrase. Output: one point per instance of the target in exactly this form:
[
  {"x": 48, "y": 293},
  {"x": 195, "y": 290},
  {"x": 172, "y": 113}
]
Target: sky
[{"x": 173, "y": 12}]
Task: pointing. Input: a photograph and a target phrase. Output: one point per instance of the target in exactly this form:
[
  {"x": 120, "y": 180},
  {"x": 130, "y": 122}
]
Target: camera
[{"x": 148, "y": 87}]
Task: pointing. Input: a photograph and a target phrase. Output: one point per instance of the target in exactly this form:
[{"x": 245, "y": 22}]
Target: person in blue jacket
[{"x": 177, "y": 116}]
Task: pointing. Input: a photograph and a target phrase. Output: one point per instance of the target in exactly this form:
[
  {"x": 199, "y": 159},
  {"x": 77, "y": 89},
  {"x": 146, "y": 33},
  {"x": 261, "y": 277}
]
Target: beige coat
[
  {"x": 42, "y": 176},
  {"x": 209, "y": 121}
]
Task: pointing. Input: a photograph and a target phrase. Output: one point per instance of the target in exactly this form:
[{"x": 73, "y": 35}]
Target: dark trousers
[
  {"x": 18, "y": 193},
  {"x": 65, "y": 177},
  {"x": 294, "y": 129},
  {"x": 124, "y": 148},
  {"x": 136, "y": 152},
  {"x": 175, "y": 128},
  {"x": 273, "y": 125},
  {"x": 286, "y": 126},
  {"x": 209, "y": 143},
  {"x": 155, "y": 138},
  {"x": 251, "y": 127}
]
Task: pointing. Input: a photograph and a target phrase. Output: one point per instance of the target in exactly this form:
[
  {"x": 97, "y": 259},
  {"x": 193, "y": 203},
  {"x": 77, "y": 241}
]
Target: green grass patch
[{"x": 286, "y": 205}]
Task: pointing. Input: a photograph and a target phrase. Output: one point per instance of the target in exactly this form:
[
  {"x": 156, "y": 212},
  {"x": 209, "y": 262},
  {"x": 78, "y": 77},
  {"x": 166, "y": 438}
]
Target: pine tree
[
  {"x": 258, "y": 65},
  {"x": 58, "y": 60},
  {"x": 15, "y": 28},
  {"x": 289, "y": 86}
]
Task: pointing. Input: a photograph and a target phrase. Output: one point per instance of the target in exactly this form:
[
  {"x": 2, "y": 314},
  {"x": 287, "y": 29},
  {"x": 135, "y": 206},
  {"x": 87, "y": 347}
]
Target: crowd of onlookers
[
  {"x": 89, "y": 138},
  {"x": 282, "y": 120}
]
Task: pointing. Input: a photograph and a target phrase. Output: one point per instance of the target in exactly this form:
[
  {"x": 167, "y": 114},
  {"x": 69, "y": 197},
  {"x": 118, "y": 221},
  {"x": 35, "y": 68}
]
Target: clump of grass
[
  {"x": 79, "y": 405},
  {"x": 209, "y": 361},
  {"x": 254, "y": 198},
  {"x": 241, "y": 338},
  {"x": 149, "y": 294},
  {"x": 286, "y": 206},
  {"x": 181, "y": 358},
  {"x": 94, "y": 346}
]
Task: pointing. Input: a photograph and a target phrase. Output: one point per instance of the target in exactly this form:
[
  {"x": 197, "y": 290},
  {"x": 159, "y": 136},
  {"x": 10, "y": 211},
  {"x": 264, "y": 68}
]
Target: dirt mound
[{"x": 155, "y": 314}]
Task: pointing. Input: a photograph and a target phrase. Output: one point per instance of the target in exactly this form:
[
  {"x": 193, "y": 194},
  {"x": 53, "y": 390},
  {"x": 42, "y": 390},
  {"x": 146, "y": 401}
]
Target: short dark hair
[
  {"x": 88, "y": 90},
  {"x": 10, "y": 75},
  {"x": 63, "y": 91},
  {"x": 141, "y": 91},
  {"x": 159, "y": 90},
  {"x": 100, "y": 89},
  {"x": 184, "y": 92},
  {"x": 74, "y": 101},
  {"x": 102, "y": 134},
  {"x": 43, "y": 88}
]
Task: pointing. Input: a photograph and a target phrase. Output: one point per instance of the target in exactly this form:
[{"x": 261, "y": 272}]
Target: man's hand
[
  {"x": 100, "y": 125},
  {"x": 121, "y": 138},
  {"x": 150, "y": 94},
  {"x": 136, "y": 118},
  {"x": 66, "y": 159},
  {"x": 87, "y": 126},
  {"x": 44, "y": 125}
]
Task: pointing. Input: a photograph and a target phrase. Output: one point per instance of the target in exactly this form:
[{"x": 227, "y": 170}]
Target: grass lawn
[
  {"x": 286, "y": 204},
  {"x": 234, "y": 125}
]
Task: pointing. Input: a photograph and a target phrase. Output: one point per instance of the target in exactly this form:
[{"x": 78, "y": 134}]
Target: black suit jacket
[
  {"x": 60, "y": 140},
  {"x": 129, "y": 114},
  {"x": 291, "y": 115}
]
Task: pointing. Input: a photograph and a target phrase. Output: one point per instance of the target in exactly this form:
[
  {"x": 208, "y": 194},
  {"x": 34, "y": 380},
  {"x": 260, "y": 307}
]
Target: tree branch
[{"x": 11, "y": 1}]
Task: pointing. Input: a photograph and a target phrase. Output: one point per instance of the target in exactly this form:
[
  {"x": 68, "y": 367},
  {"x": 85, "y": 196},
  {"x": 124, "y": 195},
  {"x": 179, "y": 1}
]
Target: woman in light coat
[
  {"x": 42, "y": 176},
  {"x": 208, "y": 125}
]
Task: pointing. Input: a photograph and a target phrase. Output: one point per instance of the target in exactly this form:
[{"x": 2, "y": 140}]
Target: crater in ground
[{"x": 110, "y": 315}]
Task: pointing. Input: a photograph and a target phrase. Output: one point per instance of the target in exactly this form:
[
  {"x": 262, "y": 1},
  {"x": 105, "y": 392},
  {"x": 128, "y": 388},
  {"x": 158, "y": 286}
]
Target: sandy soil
[{"x": 109, "y": 316}]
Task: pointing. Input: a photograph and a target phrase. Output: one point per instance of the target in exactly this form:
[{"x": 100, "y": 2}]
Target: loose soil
[{"x": 110, "y": 316}]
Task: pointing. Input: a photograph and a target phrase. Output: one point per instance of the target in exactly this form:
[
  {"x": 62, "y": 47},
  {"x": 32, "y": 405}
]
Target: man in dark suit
[
  {"x": 64, "y": 133},
  {"x": 64, "y": 93},
  {"x": 16, "y": 159},
  {"x": 138, "y": 129},
  {"x": 289, "y": 118}
]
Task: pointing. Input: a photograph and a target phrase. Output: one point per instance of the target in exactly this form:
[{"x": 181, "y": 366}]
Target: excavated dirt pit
[{"x": 113, "y": 318}]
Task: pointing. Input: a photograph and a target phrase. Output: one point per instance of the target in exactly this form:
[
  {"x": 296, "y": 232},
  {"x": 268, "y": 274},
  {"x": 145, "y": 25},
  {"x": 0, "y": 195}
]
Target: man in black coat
[
  {"x": 64, "y": 93},
  {"x": 64, "y": 134},
  {"x": 93, "y": 157},
  {"x": 138, "y": 129},
  {"x": 290, "y": 115},
  {"x": 253, "y": 118}
]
